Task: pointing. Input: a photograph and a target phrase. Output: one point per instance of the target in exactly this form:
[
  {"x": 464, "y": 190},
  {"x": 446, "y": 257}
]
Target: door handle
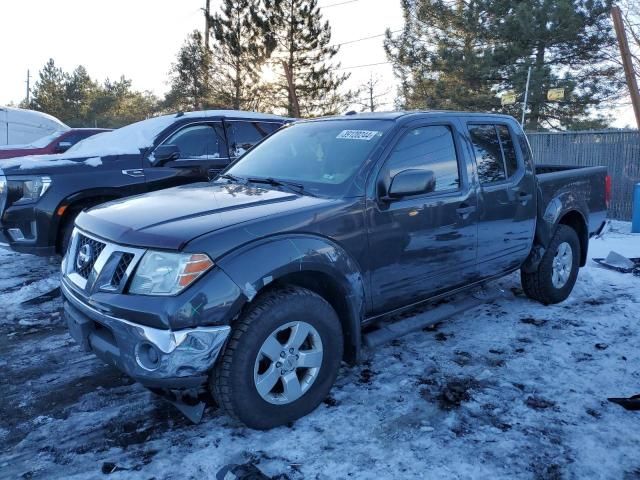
[
  {"x": 524, "y": 197},
  {"x": 464, "y": 210},
  {"x": 134, "y": 172}
]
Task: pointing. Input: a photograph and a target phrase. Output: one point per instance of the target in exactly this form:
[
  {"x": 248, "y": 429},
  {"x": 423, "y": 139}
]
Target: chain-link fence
[{"x": 619, "y": 151}]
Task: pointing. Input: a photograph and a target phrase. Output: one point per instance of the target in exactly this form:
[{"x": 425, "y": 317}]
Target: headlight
[
  {"x": 163, "y": 273},
  {"x": 3, "y": 193},
  {"x": 33, "y": 188}
]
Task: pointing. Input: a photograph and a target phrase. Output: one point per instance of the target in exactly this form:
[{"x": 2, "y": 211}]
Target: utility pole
[
  {"x": 625, "y": 53},
  {"x": 372, "y": 106},
  {"x": 526, "y": 96},
  {"x": 207, "y": 23},
  {"x": 28, "y": 86},
  {"x": 294, "y": 106}
]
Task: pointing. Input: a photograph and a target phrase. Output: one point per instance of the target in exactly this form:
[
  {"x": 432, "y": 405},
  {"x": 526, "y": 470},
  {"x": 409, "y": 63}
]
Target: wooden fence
[{"x": 618, "y": 150}]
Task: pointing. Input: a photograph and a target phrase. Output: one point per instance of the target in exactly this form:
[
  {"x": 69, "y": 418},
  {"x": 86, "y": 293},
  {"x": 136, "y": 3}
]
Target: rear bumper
[{"x": 154, "y": 357}]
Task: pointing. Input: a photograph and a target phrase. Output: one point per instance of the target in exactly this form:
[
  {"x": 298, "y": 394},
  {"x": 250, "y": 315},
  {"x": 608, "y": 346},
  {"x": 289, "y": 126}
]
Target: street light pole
[
  {"x": 28, "y": 87},
  {"x": 526, "y": 96}
]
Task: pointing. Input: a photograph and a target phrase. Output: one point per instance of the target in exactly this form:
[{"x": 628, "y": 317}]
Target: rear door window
[
  {"x": 486, "y": 146},
  {"x": 495, "y": 152},
  {"x": 243, "y": 135},
  {"x": 509, "y": 151}
]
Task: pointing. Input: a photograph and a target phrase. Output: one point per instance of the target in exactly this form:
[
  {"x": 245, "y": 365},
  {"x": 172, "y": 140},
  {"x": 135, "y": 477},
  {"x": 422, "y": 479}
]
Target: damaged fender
[{"x": 258, "y": 264}]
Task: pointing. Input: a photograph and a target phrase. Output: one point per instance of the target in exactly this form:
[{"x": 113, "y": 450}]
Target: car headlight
[
  {"x": 164, "y": 273},
  {"x": 33, "y": 188},
  {"x": 3, "y": 193}
]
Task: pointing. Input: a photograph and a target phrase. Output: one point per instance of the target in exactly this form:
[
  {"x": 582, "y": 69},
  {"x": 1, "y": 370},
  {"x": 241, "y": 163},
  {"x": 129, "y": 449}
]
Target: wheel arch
[
  {"x": 74, "y": 204},
  {"x": 575, "y": 220},
  {"x": 310, "y": 262}
]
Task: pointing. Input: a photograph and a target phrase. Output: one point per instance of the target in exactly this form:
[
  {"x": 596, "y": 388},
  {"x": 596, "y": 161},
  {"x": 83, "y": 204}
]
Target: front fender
[
  {"x": 258, "y": 264},
  {"x": 78, "y": 198}
]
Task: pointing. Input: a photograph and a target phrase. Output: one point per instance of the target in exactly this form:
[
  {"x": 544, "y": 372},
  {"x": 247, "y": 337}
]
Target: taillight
[{"x": 607, "y": 190}]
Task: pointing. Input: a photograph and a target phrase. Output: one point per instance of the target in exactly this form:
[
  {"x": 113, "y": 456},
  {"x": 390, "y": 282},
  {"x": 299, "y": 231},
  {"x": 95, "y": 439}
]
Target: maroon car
[{"x": 57, "y": 142}]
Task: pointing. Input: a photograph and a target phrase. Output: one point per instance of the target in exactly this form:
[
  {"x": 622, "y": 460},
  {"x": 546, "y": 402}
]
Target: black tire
[
  {"x": 539, "y": 285},
  {"x": 232, "y": 382},
  {"x": 66, "y": 231}
]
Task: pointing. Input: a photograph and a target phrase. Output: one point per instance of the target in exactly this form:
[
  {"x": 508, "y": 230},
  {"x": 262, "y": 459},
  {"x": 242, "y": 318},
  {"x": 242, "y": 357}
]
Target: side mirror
[
  {"x": 62, "y": 147},
  {"x": 165, "y": 153},
  {"x": 412, "y": 182}
]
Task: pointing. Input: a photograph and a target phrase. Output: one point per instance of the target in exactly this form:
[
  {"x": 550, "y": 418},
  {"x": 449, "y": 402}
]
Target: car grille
[
  {"x": 93, "y": 251},
  {"x": 121, "y": 269}
]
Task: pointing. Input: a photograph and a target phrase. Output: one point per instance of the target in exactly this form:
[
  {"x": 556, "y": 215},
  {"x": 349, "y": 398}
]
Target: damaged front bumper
[{"x": 157, "y": 358}]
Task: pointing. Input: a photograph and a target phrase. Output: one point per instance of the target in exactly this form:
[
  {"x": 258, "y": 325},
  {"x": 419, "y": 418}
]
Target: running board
[{"x": 458, "y": 304}]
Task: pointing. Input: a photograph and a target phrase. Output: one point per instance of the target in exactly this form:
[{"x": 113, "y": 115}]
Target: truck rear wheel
[
  {"x": 557, "y": 272},
  {"x": 282, "y": 359}
]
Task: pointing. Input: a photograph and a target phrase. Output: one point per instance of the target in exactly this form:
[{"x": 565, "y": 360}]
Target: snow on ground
[{"x": 512, "y": 389}]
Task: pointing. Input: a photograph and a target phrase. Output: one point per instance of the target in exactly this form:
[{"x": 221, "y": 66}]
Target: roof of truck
[
  {"x": 229, "y": 114},
  {"x": 395, "y": 115}
]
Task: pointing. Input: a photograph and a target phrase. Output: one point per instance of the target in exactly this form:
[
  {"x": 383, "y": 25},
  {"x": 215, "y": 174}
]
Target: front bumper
[
  {"x": 155, "y": 357},
  {"x": 34, "y": 225}
]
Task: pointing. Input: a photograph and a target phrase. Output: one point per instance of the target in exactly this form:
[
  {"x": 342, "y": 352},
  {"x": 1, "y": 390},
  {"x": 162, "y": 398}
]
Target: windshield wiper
[
  {"x": 233, "y": 178},
  {"x": 292, "y": 186}
]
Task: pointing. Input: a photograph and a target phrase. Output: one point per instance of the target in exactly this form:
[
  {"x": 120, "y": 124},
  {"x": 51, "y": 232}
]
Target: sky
[{"x": 140, "y": 38}]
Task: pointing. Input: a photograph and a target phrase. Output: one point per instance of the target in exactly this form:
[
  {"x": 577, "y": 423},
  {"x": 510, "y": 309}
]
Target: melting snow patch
[{"x": 93, "y": 162}]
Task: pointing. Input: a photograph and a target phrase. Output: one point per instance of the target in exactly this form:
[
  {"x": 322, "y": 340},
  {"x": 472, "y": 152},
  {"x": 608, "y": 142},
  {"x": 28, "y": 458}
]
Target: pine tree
[
  {"x": 443, "y": 57},
  {"x": 462, "y": 55},
  {"x": 79, "y": 101},
  {"x": 239, "y": 53},
  {"x": 304, "y": 54},
  {"x": 567, "y": 45},
  {"x": 48, "y": 94},
  {"x": 118, "y": 104},
  {"x": 79, "y": 93},
  {"x": 190, "y": 87}
]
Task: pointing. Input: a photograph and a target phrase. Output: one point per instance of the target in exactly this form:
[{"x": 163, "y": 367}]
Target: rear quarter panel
[{"x": 563, "y": 189}]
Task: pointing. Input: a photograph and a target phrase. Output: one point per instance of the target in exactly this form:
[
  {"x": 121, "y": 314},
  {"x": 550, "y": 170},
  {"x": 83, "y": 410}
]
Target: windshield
[
  {"x": 323, "y": 156},
  {"x": 39, "y": 143}
]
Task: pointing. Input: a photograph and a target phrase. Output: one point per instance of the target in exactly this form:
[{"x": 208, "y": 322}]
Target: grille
[
  {"x": 121, "y": 269},
  {"x": 91, "y": 253}
]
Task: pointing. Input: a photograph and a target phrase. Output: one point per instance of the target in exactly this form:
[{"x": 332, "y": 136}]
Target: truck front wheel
[
  {"x": 281, "y": 360},
  {"x": 557, "y": 272}
]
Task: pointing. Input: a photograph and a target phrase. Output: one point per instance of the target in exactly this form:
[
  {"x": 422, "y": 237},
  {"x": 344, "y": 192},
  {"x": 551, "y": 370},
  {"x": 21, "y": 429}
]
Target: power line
[
  {"x": 362, "y": 66},
  {"x": 338, "y": 4},
  {"x": 364, "y": 38}
]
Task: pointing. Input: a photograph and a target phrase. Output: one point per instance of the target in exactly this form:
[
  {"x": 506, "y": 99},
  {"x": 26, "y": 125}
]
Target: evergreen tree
[
  {"x": 303, "y": 52},
  {"x": 79, "y": 93},
  {"x": 117, "y": 104},
  {"x": 79, "y": 101},
  {"x": 462, "y": 55},
  {"x": 48, "y": 94},
  {"x": 239, "y": 53},
  {"x": 567, "y": 45},
  {"x": 190, "y": 87},
  {"x": 443, "y": 57}
]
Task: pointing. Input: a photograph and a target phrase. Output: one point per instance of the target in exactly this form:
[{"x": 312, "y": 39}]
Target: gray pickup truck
[{"x": 257, "y": 285}]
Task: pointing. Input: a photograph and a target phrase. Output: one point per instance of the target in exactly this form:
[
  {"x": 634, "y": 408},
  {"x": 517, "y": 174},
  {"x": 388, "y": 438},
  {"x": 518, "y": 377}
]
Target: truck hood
[
  {"x": 169, "y": 219},
  {"x": 45, "y": 164}
]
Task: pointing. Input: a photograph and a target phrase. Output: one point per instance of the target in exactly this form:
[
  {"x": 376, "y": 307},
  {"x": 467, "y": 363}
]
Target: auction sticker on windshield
[{"x": 358, "y": 134}]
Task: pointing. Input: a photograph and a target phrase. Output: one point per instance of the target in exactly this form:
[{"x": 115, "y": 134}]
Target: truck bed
[{"x": 582, "y": 187}]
